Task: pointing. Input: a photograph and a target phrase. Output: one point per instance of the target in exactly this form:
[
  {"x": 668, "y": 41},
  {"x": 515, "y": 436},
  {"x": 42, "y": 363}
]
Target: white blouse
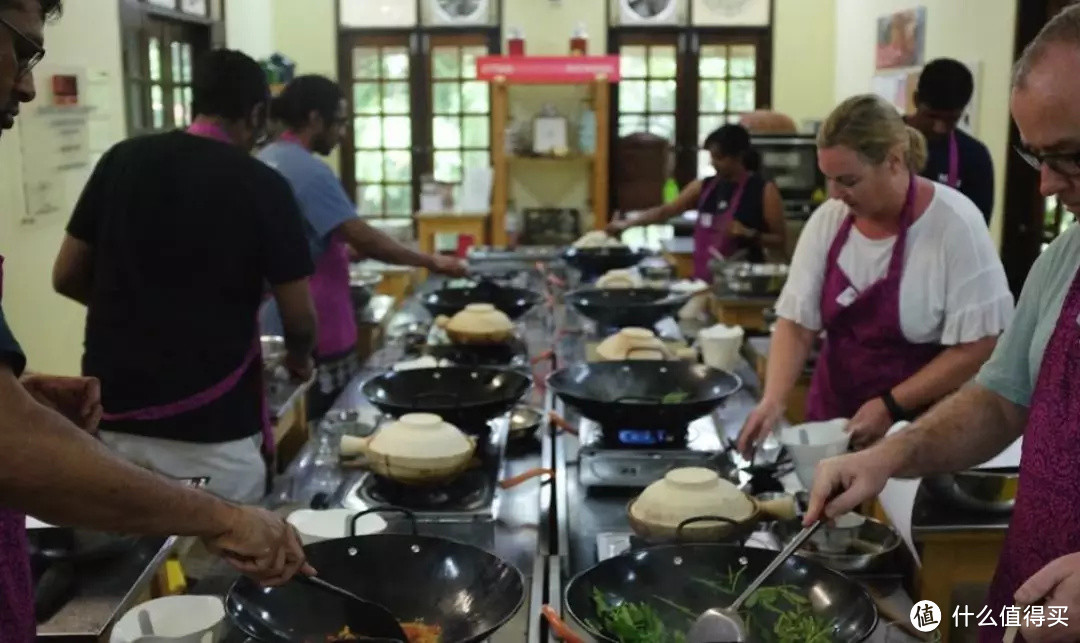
[{"x": 953, "y": 289}]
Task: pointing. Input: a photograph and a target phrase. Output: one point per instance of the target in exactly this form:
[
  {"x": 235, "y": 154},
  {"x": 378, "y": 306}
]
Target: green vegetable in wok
[
  {"x": 789, "y": 612},
  {"x": 676, "y": 397}
]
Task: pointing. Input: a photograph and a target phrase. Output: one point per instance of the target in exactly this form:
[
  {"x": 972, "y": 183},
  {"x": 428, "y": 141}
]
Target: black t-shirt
[
  {"x": 751, "y": 212},
  {"x": 11, "y": 354},
  {"x": 186, "y": 231},
  {"x": 976, "y": 169}
]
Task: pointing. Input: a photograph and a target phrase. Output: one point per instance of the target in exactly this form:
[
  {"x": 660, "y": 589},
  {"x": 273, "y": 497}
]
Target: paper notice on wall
[{"x": 55, "y": 146}]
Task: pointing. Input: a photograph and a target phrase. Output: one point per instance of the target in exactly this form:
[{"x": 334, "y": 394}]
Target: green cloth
[{"x": 1013, "y": 369}]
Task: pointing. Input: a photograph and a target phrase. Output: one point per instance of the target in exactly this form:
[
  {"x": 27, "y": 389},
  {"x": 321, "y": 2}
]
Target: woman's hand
[
  {"x": 870, "y": 423},
  {"x": 762, "y": 420}
]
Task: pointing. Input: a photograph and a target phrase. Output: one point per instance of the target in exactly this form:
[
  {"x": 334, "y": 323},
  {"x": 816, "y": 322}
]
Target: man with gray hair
[{"x": 1028, "y": 388}]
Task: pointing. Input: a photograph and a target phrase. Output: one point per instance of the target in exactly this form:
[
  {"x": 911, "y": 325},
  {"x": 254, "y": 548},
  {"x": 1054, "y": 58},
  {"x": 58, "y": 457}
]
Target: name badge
[
  {"x": 706, "y": 220},
  {"x": 847, "y": 297},
  {"x": 722, "y": 206}
]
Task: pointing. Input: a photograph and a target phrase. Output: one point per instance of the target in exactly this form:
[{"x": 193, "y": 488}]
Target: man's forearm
[
  {"x": 966, "y": 429},
  {"x": 54, "y": 471},
  {"x": 376, "y": 244}
]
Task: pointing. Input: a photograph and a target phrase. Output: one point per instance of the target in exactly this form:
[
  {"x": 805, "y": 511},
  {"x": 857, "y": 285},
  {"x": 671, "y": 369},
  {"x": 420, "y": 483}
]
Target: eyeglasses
[
  {"x": 27, "y": 52},
  {"x": 1063, "y": 163}
]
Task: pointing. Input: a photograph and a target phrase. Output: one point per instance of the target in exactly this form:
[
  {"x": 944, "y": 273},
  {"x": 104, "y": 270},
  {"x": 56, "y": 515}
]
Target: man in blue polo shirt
[
  {"x": 956, "y": 158},
  {"x": 314, "y": 113}
]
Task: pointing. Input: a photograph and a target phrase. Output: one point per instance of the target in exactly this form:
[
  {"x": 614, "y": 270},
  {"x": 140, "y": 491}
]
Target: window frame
[
  {"x": 420, "y": 41},
  {"x": 688, "y": 42}
]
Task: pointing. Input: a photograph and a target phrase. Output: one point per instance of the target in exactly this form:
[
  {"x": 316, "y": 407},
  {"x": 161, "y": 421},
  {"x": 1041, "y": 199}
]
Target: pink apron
[
  {"x": 865, "y": 352},
  {"x": 330, "y": 292},
  {"x": 217, "y": 391},
  {"x": 1044, "y": 524},
  {"x": 16, "y": 584},
  {"x": 711, "y": 231}
]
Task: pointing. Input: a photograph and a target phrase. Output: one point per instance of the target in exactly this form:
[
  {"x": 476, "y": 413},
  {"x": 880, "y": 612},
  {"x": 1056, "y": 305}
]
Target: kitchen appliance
[
  {"x": 457, "y": 13},
  {"x": 791, "y": 162},
  {"x": 627, "y": 307},
  {"x": 417, "y": 578},
  {"x": 649, "y": 13},
  {"x": 653, "y": 395},
  {"x": 474, "y": 496},
  {"x": 984, "y": 490},
  {"x": 636, "y": 457},
  {"x": 514, "y": 302},
  {"x": 464, "y": 396},
  {"x": 665, "y": 571}
]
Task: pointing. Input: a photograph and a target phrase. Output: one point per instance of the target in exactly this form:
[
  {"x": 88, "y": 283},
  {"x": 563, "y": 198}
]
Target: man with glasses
[
  {"x": 1030, "y": 388},
  {"x": 170, "y": 247},
  {"x": 313, "y": 111},
  {"x": 52, "y": 468}
]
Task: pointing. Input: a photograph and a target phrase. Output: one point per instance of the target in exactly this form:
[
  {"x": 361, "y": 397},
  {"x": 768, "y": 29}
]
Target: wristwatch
[{"x": 895, "y": 410}]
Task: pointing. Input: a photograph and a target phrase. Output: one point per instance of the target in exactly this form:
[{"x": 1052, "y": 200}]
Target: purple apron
[
  {"x": 711, "y": 231},
  {"x": 1044, "y": 522},
  {"x": 330, "y": 292},
  {"x": 953, "y": 180},
  {"x": 217, "y": 391},
  {"x": 17, "y": 623},
  {"x": 865, "y": 353}
]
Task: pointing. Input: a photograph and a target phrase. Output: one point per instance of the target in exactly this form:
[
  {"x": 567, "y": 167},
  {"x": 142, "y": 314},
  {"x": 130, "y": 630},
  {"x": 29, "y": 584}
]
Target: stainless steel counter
[
  {"x": 106, "y": 591},
  {"x": 519, "y": 533}
]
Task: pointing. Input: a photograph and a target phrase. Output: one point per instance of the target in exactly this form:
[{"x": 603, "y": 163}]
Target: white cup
[
  {"x": 173, "y": 619},
  {"x": 720, "y": 346}
]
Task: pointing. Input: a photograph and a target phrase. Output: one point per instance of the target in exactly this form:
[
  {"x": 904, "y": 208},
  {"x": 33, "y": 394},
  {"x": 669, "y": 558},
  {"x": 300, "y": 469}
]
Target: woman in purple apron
[
  {"x": 740, "y": 215},
  {"x": 906, "y": 319}
]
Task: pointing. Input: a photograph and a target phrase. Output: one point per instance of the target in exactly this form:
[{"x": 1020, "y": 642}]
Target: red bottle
[
  {"x": 516, "y": 42},
  {"x": 579, "y": 42}
]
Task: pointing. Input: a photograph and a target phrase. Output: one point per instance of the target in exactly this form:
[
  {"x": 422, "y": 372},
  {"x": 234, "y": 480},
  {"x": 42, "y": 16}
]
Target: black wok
[
  {"x": 515, "y": 302},
  {"x": 466, "y": 591},
  {"x": 625, "y": 307},
  {"x": 630, "y": 394},
  {"x": 466, "y": 397},
  {"x": 667, "y": 572},
  {"x": 594, "y": 262}
]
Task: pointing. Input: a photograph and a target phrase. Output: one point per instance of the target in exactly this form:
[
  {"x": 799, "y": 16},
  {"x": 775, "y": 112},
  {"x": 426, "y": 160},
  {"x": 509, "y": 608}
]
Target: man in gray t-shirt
[{"x": 1029, "y": 388}]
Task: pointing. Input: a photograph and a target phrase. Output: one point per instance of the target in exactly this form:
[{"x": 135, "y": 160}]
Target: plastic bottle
[
  {"x": 579, "y": 42},
  {"x": 587, "y": 131},
  {"x": 516, "y": 42},
  {"x": 671, "y": 190}
]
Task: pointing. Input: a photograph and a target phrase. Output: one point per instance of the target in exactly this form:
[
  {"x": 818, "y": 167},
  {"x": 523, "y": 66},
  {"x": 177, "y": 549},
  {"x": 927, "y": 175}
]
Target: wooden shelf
[
  {"x": 599, "y": 101},
  {"x": 570, "y": 158}
]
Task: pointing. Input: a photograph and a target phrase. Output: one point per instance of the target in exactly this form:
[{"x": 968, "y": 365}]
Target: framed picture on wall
[{"x": 901, "y": 39}]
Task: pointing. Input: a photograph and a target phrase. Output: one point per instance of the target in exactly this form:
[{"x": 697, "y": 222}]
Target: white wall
[
  {"x": 50, "y": 328},
  {"x": 804, "y": 48},
  {"x": 249, "y": 27},
  {"x": 979, "y": 30}
]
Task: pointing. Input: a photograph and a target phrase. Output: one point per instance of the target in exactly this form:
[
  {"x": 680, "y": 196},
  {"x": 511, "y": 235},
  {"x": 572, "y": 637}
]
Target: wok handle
[
  {"x": 384, "y": 509},
  {"x": 561, "y": 423},
  {"x": 524, "y": 477},
  {"x": 561, "y": 629},
  {"x": 696, "y": 519}
]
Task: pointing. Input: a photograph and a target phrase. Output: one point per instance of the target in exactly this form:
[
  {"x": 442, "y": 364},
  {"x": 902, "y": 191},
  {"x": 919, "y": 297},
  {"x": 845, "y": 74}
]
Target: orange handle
[
  {"x": 525, "y": 477},
  {"x": 559, "y": 627},
  {"x": 561, "y": 423}
]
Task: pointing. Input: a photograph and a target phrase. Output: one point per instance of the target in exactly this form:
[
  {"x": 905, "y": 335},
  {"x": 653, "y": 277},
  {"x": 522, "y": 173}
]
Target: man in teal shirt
[{"x": 1030, "y": 388}]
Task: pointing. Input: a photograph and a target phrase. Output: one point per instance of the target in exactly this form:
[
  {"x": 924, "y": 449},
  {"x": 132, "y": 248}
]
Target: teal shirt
[{"x": 1013, "y": 369}]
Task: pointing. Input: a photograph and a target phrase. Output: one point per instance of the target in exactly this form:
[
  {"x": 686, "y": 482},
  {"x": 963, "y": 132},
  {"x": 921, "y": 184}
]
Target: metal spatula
[
  {"x": 724, "y": 623},
  {"x": 365, "y": 618}
]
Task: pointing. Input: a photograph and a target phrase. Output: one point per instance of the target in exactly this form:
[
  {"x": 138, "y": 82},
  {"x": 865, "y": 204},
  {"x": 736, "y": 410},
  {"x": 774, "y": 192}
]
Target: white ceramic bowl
[
  {"x": 316, "y": 526},
  {"x": 173, "y": 619},
  {"x": 690, "y": 492},
  {"x": 811, "y": 443}
]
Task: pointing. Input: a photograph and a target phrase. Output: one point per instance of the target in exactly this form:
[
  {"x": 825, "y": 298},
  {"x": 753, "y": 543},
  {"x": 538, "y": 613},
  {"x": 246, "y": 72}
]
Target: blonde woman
[{"x": 900, "y": 274}]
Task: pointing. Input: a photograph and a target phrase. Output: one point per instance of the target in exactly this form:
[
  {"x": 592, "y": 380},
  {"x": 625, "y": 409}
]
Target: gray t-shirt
[{"x": 1013, "y": 369}]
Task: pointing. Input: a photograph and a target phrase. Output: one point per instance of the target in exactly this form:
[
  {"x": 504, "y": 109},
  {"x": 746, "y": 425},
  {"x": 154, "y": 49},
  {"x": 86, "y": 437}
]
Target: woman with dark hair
[{"x": 739, "y": 212}]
